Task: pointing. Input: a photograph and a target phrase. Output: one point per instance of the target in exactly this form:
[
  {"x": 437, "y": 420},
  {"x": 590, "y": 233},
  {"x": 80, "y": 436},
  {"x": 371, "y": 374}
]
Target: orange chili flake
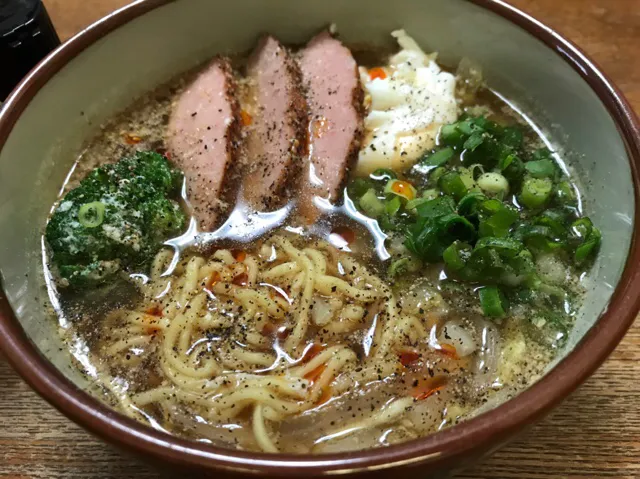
[
  {"x": 150, "y": 321},
  {"x": 377, "y": 72},
  {"x": 346, "y": 233},
  {"x": 246, "y": 118},
  {"x": 325, "y": 396},
  {"x": 132, "y": 139},
  {"x": 154, "y": 310},
  {"x": 404, "y": 188},
  {"x": 239, "y": 255},
  {"x": 279, "y": 293},
  {"x": 448, "y": 350},
  {"x": 312, "y": 352},
  {"x": 283, "y": 332},
  {"x": 241, "y": 280},
  {"x": 215, "y": 278},
  {"x": 269, "y": 329},
  {"x": 426, "y": 388},
  {"x": 315, "y": 373},
  {"x": 407, "y": 358}
]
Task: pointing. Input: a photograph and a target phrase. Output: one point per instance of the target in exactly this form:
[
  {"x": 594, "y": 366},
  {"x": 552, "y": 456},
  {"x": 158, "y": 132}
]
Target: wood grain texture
[{"x": 596, "y": 433}]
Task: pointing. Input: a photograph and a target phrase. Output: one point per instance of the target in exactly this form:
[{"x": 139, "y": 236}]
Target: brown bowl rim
[{"x": 442, "y": 448}]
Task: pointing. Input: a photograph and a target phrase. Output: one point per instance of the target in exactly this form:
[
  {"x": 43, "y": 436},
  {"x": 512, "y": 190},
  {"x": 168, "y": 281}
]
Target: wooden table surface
[{"x": 595, "y": 433}]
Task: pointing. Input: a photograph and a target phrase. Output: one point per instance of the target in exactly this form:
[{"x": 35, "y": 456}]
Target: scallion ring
[{"x": 91, "y": 215}]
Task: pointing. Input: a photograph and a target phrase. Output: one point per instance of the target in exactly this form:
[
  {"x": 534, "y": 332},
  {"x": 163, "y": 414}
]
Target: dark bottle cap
[{"x": 26, "y": 36}]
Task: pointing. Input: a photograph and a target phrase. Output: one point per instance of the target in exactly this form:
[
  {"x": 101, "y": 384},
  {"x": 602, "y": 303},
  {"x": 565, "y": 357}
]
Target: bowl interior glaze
[{"x": 107, "y": 75}]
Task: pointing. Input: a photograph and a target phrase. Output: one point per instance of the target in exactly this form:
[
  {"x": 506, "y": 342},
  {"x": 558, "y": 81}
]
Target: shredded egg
[{"x": 408, "y": 100}]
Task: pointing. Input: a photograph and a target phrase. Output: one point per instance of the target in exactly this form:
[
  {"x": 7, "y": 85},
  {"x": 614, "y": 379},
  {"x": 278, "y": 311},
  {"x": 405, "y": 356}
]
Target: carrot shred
[
  {"x": 377, "y": 72},
  {"x": 346, "y": 233},
  {"x": 246, "y": 118},
  {"x": 312, "y": 352},
  {"x": 132, "y": 139},
  {"x": 239, "y": 255},
  {"x": 315, "y": 373},
  {"x": 426, "y": 388},
  {"x": 404, "y": 188}
]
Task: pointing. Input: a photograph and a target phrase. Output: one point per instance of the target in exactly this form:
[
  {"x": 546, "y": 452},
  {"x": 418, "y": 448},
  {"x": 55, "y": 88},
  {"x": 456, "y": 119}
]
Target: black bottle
[{"x": 26, "y": 36}]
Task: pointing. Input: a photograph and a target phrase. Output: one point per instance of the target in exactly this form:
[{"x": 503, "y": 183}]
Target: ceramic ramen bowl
[{"x": 44, "y": 123}]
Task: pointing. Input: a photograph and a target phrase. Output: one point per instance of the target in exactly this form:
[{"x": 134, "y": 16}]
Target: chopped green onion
[
  {"x": 582, "y": 228},
  {"x": 393, "y": 205},
  {"x": 492, "y": 301},
  {"x": 403, "y": 265},
  {"x": 523, "y": 263},
  {"x": 466, "y": 175},
  {"x": 389, "y": 223},
  {"x": 451, "y": 184},
  {"x": 545, "y": 168},
  {"x": 435, "y": 175},
  {"x": 415, "y": 203},
  {"x": 474, "y": 141},
  {"x": 555, "y": 220},
  {"x": 589, "y": 238},
  {"x": 493, "y": 184},
  {"x": 565, "y": 193},
  {"x": 509, "y": 247},
  {"x": 371, "y": 204},
  {"x": 427, "y": 195},
  {"x": 91, "y": 215},
  {"x": 443, "y": 205},
  {"x": 466, "y": 127},
  {"x": 538, "y": 237},
  {"x": 541, "y": 154},
  {"x": 469, "y": 203},
  {"x": 589, "y": 246},
  {"x": 535, "y": 192},
  {"x": 511, "y": 167},
  {"x": 450, "y": 135},
  {"x": 359, "y": 187},
  {"x": 491, "y": 206},
  {"x": 512, "y": 136},
  {"x": 438, "y": 158},
  {"x": 499, "y": 223},
  {"x": 458, "y": 227},
  {"x": 456, "y": 254}
]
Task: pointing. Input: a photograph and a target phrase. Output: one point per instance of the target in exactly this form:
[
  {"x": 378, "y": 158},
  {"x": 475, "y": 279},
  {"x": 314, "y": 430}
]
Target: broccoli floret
[{"x": 117, "y": 218}]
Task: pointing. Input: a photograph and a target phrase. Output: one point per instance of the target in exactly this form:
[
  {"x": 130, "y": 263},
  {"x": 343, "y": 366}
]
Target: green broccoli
[{"x": 117, "y": 218}]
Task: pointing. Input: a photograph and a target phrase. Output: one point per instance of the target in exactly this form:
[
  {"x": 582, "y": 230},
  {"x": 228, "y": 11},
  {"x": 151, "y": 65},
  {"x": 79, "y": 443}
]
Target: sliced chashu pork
[
  {"x": 277, "y": 131},
  {"x": 201, "y": 138},
  {"x": 334, "y": 96}
]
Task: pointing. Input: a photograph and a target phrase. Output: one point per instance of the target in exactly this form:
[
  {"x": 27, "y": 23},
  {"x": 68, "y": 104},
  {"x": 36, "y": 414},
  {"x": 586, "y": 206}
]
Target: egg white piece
[{"x": 406, "y": 109}]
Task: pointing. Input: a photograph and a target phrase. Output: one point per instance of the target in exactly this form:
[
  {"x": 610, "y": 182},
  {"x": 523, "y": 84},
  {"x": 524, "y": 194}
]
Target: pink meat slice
[
  {"x": 334, "y": 96},
  {"x": 276, "y": 136},
  {"x": 201, "y": 138}
]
